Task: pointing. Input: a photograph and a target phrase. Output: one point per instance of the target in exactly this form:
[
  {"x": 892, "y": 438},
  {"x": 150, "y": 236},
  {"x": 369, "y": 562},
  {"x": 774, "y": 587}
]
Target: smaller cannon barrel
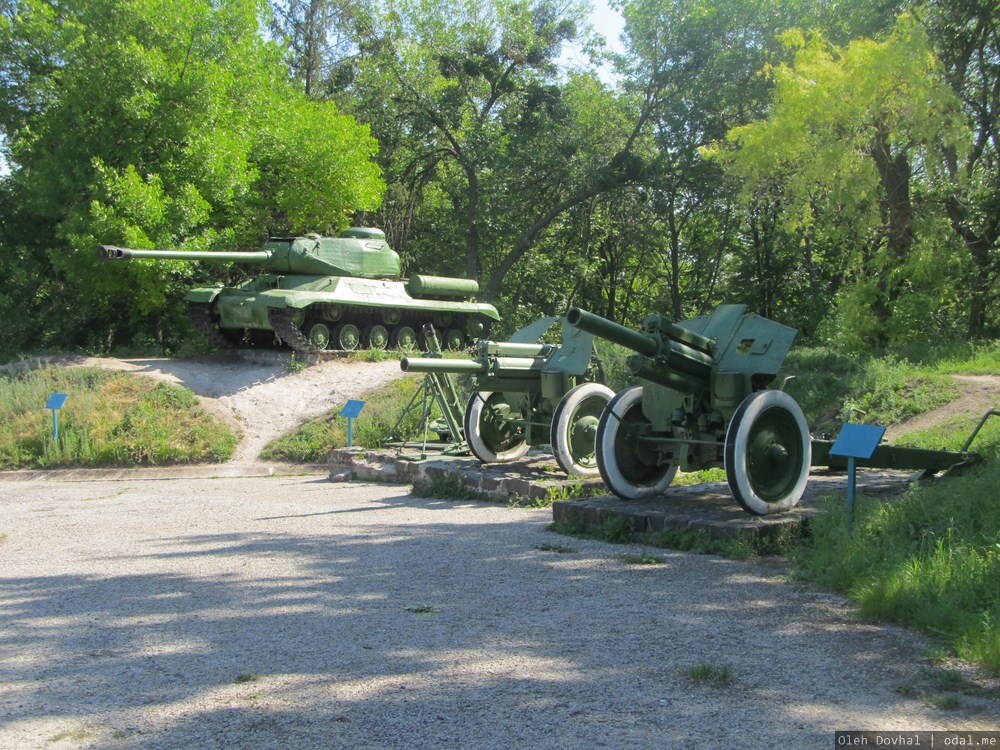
[
  {"x": 438, "y": 364},
  {"x": 112, "y": 253},
  {"x": 500, "y": 366},
  {"x": 512, "y": 349}
]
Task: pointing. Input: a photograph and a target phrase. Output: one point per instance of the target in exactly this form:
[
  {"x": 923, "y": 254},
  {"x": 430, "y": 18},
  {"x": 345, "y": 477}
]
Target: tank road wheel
[
  {"x": 390, "y": 316},
  {"x": 630, "y": 468},
  {"x": 574, "y": 427},
  {"x": 319, "y": 335},
  {"x": 491, "y": 437},
  {"x": 453, "y": 340},
  {"x": 768, "y": 453},
  {"x": 376, "y": 336},
  {"x": 346, "y": 336},
  {"x": 403, "y": 338}
]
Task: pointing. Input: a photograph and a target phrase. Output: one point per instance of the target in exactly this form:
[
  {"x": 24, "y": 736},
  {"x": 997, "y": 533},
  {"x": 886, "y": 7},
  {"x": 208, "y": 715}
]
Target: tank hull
[{"x": 333, "y": 312}]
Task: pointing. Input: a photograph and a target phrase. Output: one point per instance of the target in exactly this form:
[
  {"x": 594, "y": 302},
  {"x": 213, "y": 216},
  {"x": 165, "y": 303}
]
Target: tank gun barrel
[{"x": 113, "y": 253}]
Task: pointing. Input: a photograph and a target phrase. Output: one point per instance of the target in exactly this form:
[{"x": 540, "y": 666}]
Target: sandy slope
[{"x": 260, "y": 396}]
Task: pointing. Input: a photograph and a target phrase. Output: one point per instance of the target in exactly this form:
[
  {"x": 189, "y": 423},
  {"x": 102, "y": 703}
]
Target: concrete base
[
  {"x": 707, "y": 507},
  {"x": 711, "y": 508}
]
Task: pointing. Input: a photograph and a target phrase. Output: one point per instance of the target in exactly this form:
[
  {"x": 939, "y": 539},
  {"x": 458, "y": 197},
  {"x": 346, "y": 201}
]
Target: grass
[
  {"x": 109, "y": 419},
  {"x": 313, "y": 441},
  {"x": 709, "y": 674},
  {"x": 423, "y": 609},
  {"x": 930, "y": 559}
]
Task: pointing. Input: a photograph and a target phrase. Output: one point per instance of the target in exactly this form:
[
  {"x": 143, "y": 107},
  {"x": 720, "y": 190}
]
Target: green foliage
[
  {"x": 845, "y": 179},
  {"x": 163, "y": 123},
  {"x": 110, "y": 419},
  {"x": 930, "y": 559},
  {"x": 830, "y": 385},
  {"x": 705, "y": 672}
]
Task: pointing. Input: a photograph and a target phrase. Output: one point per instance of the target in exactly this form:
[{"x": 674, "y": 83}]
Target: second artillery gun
[
  {"x": 321, "y": 293},
  {"x": 705, "y": 403},
  {"x": 528, "y": 393}
]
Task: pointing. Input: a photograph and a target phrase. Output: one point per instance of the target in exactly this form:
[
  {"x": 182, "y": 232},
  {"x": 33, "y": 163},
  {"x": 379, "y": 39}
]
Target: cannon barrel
[
  {"x": 668, "y": 355},
  {"x": 608, "y": 329},
  {"x": 517, "y": 366},
  {"x": 440, "y": 365},
  {"x": 111, "y": 253}
]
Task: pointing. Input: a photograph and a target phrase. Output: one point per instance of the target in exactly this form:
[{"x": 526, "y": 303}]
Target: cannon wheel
[
  {"x": 574, "y": 426},
  {"x": 768, "y": 453},
  {"x": 630, "y": 468},
  {"x": 492, "y": 439}
]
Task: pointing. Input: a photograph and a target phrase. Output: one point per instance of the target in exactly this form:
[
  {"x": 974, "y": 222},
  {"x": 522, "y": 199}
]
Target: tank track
[
  {"x": 281, "y": 322},
  {"x": 200, "y": 315}
]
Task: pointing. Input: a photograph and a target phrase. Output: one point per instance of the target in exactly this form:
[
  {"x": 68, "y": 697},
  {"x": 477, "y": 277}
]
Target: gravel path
[{"x": 291, "y": 612}]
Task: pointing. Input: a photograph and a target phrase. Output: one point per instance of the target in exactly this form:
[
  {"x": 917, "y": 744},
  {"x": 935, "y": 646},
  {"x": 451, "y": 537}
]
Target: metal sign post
[
  {"x": 55, "y": 403},
  {"x": 351, "y": 410},
  {"x": 855, "y": 441}
]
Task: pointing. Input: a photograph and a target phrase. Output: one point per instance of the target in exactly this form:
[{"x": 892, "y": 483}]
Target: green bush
[{"x": 930, "y": 559}]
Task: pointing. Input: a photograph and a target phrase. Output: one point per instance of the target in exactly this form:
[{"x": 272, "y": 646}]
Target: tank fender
[{"x": 203, "y": 294}]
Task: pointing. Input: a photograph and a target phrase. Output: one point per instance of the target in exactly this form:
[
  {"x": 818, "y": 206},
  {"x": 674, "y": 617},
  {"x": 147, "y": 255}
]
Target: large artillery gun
[
  {"x": 528, "y": 393},
  {"x": 705, "y": 402},
  {"x": 320, "y": 293}
]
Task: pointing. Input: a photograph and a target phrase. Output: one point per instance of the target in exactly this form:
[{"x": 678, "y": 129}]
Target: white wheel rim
[
  {"x": 768, "y": 453},
  {"x": 627, "y": 483},
  {"x": 574, "y": 423},
  {"x": 474, "y": 416}
]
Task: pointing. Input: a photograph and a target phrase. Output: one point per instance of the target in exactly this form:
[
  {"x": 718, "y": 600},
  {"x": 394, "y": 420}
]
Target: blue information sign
[
  {"x": 855, "y": 441},
  {"x": 351, "y": 410},
  {"x": 55, "y": 403}
]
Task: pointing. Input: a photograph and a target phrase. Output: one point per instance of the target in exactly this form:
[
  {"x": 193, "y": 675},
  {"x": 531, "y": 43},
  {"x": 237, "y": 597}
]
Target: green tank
[{"x": 320, "y": 293}]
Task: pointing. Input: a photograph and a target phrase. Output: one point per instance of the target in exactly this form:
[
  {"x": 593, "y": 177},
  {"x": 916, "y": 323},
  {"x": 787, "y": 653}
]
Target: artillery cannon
[
  {"x": 704, "y": 404},
  {"x": 328, "y": 292},
  {"x": 528, "y": 393}
]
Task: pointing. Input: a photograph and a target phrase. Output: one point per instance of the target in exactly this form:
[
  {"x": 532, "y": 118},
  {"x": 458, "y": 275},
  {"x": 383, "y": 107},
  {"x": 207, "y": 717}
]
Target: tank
[{"x": 317, "y": 293}]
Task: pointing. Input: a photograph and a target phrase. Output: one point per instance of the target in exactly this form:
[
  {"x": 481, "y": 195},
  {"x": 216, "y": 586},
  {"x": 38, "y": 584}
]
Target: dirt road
[{"x": 291, "y": 612}]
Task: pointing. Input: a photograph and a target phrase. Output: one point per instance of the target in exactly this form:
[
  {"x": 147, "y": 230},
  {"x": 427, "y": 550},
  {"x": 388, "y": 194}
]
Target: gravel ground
[{"x": 291, "y": 612}]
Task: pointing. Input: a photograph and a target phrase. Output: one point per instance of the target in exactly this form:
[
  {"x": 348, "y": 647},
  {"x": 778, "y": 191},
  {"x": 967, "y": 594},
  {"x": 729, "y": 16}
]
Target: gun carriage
[{"x": 527, "y": 393}]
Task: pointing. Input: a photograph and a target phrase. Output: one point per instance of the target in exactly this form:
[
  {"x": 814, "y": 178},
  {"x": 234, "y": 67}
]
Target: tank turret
[{"x": 319, "y": 293}]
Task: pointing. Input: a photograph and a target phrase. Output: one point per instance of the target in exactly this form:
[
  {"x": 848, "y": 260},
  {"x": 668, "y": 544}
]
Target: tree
[
  {"x": 165, "y": 123},
  {"x": 966, "y": 37},
  {"x": 851, "y": 151},
  {"x": 486, "y": 147}
]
